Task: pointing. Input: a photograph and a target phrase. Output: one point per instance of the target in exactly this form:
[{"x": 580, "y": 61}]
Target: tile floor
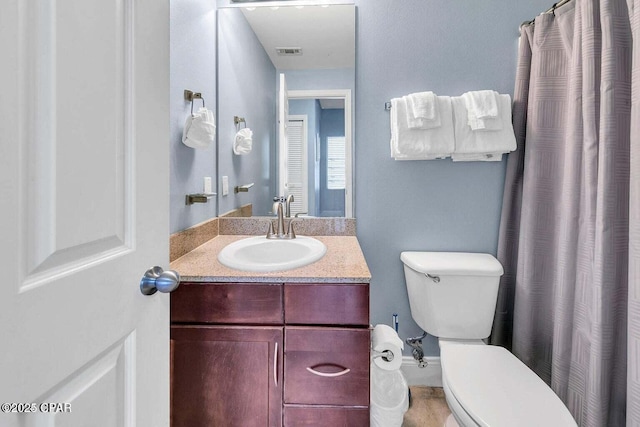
[{"x": 428, "y": 408}]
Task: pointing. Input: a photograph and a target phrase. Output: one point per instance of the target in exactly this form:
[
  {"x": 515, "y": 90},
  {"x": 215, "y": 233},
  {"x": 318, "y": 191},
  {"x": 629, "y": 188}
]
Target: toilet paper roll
[{"x": 384, "y": 338}]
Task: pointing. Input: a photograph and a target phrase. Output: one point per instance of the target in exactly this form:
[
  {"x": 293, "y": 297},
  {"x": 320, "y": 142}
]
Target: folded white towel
[
  {"x": 243, "y": 142},
  {"x": 421, "y": 144},
  {"x": 483, "y": 110},
  {"x": 423, "y": 111},
  {"x": 477, "y": 146},
  {"x": 199, "y": 129}
]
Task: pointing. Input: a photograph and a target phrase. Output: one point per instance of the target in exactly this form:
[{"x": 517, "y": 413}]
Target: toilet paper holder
[{"x": 386, "y": 355}]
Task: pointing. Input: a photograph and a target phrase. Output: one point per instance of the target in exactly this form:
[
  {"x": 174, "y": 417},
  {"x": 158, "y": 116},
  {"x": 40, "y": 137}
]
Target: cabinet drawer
[
  {"x": 337, "y": 416},
  {"x": 326, "y": 366},
  {"x": 227, "y": 303},
  {"x": 326, "y": 304}
]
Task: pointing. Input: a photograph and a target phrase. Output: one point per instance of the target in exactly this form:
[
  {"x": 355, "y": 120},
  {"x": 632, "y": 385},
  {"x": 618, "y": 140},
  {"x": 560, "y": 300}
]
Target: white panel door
[
  {"x": 83, "y": 212},
  {"x": 297, "y": 170}
]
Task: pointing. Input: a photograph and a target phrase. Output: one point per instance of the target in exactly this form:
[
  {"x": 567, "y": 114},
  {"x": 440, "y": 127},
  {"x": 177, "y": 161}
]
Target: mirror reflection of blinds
[
  {"x": 336, "y": 162},
  {"x": 296, "y": 162}
]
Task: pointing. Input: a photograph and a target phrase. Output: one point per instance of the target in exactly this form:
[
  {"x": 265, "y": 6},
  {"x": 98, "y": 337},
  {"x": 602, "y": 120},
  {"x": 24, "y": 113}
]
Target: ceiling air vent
[{"x": 289, "y": 51}]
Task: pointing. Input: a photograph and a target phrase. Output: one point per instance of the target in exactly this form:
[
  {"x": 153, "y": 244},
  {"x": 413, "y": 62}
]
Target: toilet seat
[
  {"x": 460, "y": 416},
  {"x": 496, "y": 389}
]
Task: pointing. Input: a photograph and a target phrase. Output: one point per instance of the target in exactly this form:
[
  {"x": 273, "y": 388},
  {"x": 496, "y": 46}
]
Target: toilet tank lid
[{"x": 453, "y": 263}]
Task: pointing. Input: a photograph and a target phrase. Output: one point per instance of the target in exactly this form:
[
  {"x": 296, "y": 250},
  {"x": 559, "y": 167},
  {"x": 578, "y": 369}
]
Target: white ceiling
[{"x": 325, "y": 34}]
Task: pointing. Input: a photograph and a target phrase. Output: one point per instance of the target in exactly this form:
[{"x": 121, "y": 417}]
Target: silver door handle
[
  {"x": 155, "y": 279},
  {"x": 275, "y": 364}
]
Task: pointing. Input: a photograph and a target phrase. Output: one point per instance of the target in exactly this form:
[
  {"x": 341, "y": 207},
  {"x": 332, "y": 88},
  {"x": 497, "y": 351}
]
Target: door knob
[{"x": 155, "y": 279}]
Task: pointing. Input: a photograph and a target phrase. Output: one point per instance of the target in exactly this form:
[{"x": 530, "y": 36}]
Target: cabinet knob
[{"x": 156, "y": 279}]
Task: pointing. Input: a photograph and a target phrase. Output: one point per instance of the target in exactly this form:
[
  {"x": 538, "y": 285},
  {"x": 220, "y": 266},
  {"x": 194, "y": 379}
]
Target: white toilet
[{"x": 453, "y": 297}]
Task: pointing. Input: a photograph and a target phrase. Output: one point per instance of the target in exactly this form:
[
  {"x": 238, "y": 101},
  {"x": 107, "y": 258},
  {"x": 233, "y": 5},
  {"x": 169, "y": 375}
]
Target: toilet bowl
[{"x": 453, "y": 297}]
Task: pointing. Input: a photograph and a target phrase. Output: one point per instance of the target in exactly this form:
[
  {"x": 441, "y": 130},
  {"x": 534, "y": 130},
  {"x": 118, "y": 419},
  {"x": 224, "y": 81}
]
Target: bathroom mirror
[{"x": 312, "y": 49}]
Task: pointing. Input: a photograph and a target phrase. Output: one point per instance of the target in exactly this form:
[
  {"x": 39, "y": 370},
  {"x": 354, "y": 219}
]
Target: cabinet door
[{"x": 226, "y": 376}]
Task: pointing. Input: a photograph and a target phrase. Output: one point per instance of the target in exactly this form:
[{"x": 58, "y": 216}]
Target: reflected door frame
[{"x": 344, "y": 94}]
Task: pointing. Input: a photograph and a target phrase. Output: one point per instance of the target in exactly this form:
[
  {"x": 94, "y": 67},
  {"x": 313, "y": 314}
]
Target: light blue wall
[
  {"x": 331, "y": 201},
  {"x": 193, "y": 67},
  {"x": 447, "y": 47},
  {"x": 246, "y": 83}
]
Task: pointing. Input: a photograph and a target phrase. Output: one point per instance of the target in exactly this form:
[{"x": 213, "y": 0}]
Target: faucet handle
[
  {"x": 270, "y": 231},
  {"x": 290, "y": 231}
]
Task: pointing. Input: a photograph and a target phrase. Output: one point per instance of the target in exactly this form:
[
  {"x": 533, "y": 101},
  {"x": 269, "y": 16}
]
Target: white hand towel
[
  {"x": 421, "y": 144},
  {"x": 482, "y": 146},
  {"x": 483, "y": 112},
  {"x": 423, "y": 111},
  {"x": 199, "y": 129},
  {"x": 483, "y": 102},
  {"x": 243, "y": 142}
]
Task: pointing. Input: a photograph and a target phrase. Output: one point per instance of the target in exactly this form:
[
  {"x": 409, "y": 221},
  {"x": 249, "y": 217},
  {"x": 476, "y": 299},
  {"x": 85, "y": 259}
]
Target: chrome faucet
[{"x": 279, "y": 233}]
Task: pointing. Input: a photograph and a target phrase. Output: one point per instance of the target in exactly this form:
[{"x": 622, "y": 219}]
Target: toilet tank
[{"x": 452, "y": 294}]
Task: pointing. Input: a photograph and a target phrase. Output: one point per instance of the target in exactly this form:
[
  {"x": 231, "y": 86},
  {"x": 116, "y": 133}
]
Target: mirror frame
[{"x": 348, "y": 134}]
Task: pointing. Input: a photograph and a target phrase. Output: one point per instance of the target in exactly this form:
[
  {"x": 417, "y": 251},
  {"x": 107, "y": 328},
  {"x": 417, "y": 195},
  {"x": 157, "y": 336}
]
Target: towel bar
[
  {"x": 243, "y": 188},
  {"x": 190, "y": 199}
]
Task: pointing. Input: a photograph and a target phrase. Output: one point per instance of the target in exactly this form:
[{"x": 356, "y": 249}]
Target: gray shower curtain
[{"x": 569, "y": 300}]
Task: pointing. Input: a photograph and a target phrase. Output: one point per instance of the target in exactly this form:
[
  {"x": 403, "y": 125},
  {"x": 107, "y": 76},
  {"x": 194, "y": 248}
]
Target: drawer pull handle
[
  {"x": 275, "y": 364},
  {"x": 330, "y": 375}
]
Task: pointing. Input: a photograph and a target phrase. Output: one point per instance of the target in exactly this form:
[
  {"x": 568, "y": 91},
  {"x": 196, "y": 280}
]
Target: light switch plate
[
  {"x": 207, "y": 185},
  {"x": 225, "y": 185}
]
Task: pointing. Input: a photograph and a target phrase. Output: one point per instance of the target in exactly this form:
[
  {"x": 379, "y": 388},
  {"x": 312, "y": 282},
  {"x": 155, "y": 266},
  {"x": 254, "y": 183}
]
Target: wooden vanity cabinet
[
  {"x": 227, "y": 354},
  {"x": 270, "y": 354}
]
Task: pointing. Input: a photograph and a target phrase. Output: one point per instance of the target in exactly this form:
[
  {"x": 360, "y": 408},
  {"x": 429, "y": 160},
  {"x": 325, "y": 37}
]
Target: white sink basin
[{"x": 260, "y": 254}]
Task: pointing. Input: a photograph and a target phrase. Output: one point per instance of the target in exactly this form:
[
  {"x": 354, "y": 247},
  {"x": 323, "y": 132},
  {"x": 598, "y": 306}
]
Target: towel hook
[{"x": 237, "y": 120}]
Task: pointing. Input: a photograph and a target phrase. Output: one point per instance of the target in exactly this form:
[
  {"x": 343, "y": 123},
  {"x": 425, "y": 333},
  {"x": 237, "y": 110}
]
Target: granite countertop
[{"x": 343, "y": 263}]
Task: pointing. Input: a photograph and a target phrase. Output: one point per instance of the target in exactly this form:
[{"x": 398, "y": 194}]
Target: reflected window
[{"x": 336, "y": 162}]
